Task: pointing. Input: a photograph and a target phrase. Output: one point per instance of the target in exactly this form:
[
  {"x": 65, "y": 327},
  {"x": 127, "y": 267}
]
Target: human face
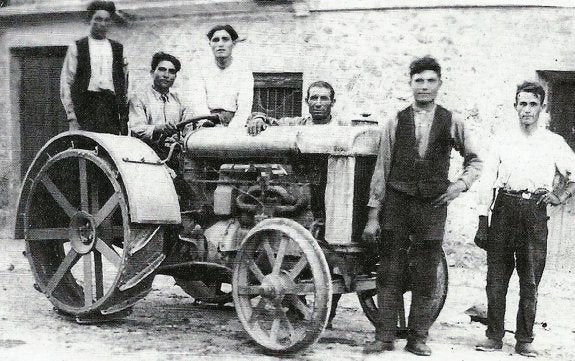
[
  {"x": 100, "y": 23},
  {"x": 222, "y": 44},
  {"x": 425, "y": 86},
  {"x": 164, "y": 76},
  {"x": 320, "y": 103},
  {"x": 528, "y": 108}
]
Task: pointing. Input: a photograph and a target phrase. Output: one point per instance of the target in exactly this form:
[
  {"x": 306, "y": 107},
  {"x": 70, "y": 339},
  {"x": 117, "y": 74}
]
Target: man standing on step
[{"x": 92, "y": 82}]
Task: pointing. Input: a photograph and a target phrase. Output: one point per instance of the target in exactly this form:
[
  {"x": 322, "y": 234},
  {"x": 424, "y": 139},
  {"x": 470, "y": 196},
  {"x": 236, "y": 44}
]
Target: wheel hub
[
  {"x": 276, "y": 286},
  {"x": 82, "y": 232}
]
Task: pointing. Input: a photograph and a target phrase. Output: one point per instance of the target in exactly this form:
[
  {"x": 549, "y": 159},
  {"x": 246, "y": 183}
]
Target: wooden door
[
  {"x": 42, "y": 115},
  {"x": 561, "y": 107}
]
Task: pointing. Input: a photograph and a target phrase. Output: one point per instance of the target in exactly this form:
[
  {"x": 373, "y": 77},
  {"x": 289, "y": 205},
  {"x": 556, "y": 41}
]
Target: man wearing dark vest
[
  {"x": 92, "y": 82},
  {"x": 410, "y": 186}
]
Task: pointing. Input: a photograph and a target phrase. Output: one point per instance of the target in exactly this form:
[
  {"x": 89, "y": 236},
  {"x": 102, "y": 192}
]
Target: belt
[{"x": 524, "y": 194}]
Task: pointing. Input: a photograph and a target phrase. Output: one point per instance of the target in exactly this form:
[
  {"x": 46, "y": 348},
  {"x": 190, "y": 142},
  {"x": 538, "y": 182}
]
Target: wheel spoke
[
  {"x": 88, "y": 279},
  {"x": 257, "y": 311},
  {"x": 98, "y": 275},
  {"x": 302, "y": 307},
  {"x": 269, "y": 252},
  {"x": 83, "y": 185},
  {"x": 287, "y": 322},
  {"x": 107, "y": 209},
  {"x": 58, "y": 196},
  {"x": 298, "y": 267},
  {"x": 275, "y": 330},
  {"x": 280, "y": 256},
  {"x": 249, "y": 290},
  {"x": 41, "y": 234},
  {"x": 254, "y": 268},
  {"x": 109, "y": 253},
  {"x": 67, "y": 263}
]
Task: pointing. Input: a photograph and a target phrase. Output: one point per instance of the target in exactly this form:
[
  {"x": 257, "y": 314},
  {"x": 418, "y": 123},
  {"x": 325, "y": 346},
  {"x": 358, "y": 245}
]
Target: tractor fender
[{"x": 151, "y": 194}]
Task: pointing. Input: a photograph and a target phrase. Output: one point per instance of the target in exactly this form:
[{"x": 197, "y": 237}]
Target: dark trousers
[
  {"x": 409, "y": 223},
  {"x": 517, "y": 240},
  {"x": 98, "y": 112}
]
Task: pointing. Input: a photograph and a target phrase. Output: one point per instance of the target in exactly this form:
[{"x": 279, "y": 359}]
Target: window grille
[{"x": 278, "y": 94}]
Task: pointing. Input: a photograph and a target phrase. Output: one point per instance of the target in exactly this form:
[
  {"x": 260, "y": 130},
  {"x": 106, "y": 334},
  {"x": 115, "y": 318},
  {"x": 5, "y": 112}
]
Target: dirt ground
[{"x": 167, "y": 325}]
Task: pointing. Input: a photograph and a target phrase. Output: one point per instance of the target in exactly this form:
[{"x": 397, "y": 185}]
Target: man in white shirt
[
  {"x": 521, "y": 166},
  {"x": 155, "y": 112},
  {"x": 225, "y": 88},
  {"x": 92, "y": 82}
]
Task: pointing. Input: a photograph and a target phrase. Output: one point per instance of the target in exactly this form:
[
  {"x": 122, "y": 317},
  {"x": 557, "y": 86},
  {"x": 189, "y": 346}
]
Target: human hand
[
  {"x": 166, "y": 129},
  {"x": 549, "y": 198},
  {"x": 256, "y": 126},
  {"x": 372, "y": 232},
  {"x": 452, "y": 192},
  {"x": 481, "y": 237},
  {"x": 206, "y": 124}
]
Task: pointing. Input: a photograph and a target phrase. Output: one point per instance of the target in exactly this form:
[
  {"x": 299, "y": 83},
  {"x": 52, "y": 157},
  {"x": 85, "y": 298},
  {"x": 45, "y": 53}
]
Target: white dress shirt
[
  {"x": 101, "y": 60},
  {"x": 230, "y": 89},
  {"x": 518, "y": 161}
]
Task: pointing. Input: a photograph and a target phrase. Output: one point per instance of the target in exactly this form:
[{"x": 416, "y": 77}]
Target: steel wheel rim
[
  {"x": 368, "y": 301},
  {"x": 268, "y": 297},
  {"x": 89, "y": 215}
]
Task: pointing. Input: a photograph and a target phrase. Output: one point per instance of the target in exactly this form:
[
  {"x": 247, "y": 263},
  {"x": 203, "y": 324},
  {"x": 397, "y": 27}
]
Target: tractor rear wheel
[
  {"x": 86, "y": 256},
  {"x": 368, "y": 299}
]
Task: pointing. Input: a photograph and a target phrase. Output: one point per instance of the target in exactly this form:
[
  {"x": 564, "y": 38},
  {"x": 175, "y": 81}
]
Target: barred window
[{"x": 278, "y": 94}]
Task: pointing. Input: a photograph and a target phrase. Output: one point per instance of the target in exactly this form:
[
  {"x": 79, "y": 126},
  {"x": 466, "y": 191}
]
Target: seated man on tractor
[
  {"x": 155, "y": 112},
  {"x": 320, "y": 99}
]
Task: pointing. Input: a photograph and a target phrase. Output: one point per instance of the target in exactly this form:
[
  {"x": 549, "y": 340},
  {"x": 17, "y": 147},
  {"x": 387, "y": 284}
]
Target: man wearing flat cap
[
  {"x": 92, "y": 82},
  {"x": 225, "y": 88}
]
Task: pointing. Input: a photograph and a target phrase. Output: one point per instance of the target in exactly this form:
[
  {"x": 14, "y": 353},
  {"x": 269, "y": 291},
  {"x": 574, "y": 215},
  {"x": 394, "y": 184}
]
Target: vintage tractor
[{"x": 271, "y": 222}]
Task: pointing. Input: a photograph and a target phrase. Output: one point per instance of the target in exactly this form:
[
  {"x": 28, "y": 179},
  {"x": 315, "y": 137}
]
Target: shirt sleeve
[
  {"x": 486, "y": 182},
  {"x": 382, "y": 164},
  {"x": 467, "y": 147},
  {"x": 138, "y": 120},
  {"x": 198, "y": 97},
  {"x": 565, "y": 159},
  {"x": 67, "y": 78},
  {"x": 245, "y": 101}
]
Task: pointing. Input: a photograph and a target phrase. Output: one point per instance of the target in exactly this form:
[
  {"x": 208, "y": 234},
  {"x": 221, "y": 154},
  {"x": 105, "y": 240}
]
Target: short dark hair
[
  {"x": 101, "y": 5},
  {"x": 228, "y": 28},
  {"x": 160, "y": 56},
  {"x": 422, "y": 64},
  {"x": 321, "y": 84},
  {"x": 531, "y": 87}
]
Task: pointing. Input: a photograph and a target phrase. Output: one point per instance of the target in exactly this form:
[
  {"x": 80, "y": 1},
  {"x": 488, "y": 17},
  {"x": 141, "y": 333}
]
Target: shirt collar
[
  {"x": 417, "y": 109},
  {"x": 310, "y": 119},
  {"x": 158, "y": 95}
]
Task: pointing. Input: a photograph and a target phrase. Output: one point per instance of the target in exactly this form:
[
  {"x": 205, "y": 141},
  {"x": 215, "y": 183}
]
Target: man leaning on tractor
[{"x": 411, "y": 187}]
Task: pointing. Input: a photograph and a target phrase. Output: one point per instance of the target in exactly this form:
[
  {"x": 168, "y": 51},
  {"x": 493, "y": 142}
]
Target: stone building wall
[{"x": 365, "y": 54}]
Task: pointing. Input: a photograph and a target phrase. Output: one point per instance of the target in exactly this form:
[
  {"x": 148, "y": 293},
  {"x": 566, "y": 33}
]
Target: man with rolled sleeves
[
  {"x": 410, "y": 186},
  {"x": 521, "y": 166},
  {"x": 92, "y": 82}
]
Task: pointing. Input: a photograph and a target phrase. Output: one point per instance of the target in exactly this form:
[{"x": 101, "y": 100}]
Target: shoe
[
  {"x": 418, "y": 348},
  {"x": 378, "y": 346},
  {"x": 329, "y": 325},
  {"x": 525, "y": 349},
  {"x": 489, "y": 345}
]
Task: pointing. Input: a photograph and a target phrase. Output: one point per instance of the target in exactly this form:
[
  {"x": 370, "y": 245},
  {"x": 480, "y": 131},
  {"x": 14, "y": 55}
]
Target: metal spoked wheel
[
  {"x": 85, "y": 255},
  {"x": 368, "y": 299},
  {"x": 282, "y": 286}
]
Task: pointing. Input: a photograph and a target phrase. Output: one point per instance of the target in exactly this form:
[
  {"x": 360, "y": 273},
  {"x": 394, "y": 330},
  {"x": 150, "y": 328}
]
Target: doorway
[{"x": 41, "y": 114}]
